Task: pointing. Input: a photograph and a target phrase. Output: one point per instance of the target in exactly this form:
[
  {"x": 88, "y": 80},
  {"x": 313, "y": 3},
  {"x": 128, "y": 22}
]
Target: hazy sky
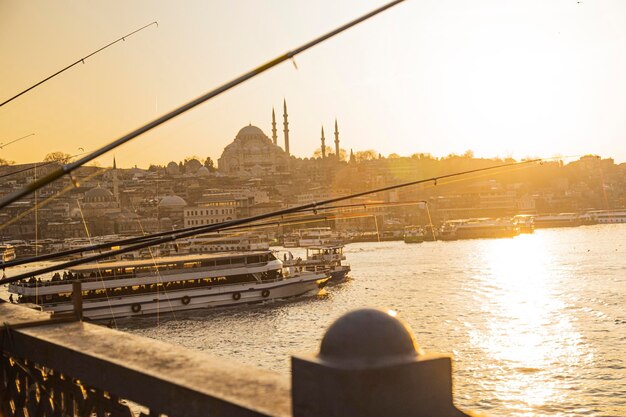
[{"x": 518, "y": 78}]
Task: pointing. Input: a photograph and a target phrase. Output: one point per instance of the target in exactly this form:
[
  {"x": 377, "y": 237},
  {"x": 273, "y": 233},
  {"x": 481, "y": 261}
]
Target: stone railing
[{"x": 368, "y": 365}]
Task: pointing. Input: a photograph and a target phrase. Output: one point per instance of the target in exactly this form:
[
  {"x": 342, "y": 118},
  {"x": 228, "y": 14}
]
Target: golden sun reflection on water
[{"x": 527, "y": 332}]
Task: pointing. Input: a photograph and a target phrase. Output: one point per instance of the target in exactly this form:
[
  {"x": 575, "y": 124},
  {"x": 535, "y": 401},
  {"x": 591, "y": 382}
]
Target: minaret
[
  {"x": 116, "y": 191},
  {"x": 336, "y": 139},
  {"x": 286, "y": 127},
  {"x": 323, "y": 144},
  {"x": 274, "y": 137}
]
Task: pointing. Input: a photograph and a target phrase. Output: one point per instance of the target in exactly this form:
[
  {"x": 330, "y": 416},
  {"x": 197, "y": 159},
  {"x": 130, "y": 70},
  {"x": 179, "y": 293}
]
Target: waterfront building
[{"x": 212, "y": 209}]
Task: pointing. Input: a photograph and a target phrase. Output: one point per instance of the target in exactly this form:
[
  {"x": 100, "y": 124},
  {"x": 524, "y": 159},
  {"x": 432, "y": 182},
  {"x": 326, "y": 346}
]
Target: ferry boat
[
  {"x": 479, "y": 228},
  {"x": 219, "y": 243},
  {"x": 413, "y": 234},
  {"x": 291, "y": 240},
  {"x": 317, "y": 236},
  {"x": 175, "y": 283},
  {"x": 327, "y": 258},
  {"x": 7, "y": 252},
  {"x": 606, "y": 216},
  {"x": 557, "y": 220}
]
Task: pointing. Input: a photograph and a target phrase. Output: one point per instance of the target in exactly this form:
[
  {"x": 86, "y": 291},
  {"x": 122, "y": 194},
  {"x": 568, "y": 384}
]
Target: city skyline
[{"x": 410, "y": 81}]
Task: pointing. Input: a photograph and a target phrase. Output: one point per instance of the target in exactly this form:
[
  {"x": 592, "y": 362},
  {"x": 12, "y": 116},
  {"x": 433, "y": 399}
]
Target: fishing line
[
  {"x": 68, "y": 168},
  {"x": 123, "y": 38}
]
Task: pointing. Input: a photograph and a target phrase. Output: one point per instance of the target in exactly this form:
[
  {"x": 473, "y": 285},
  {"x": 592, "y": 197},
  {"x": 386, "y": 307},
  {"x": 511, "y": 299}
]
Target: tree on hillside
[
  {"x": 60, "y": 157},
  {"x": 331, "y": 152},
  {"x": 209, "y": 164},
  {"x": 368, "y": 155}
]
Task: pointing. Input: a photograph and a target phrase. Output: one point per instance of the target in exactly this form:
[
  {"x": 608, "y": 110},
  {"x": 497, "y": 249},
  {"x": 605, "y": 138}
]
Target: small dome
[
  {"x": 368, "y": 335},
  {"x": 98, "y": 192},
  {"x": 172, "y": 168},
  {"x": 203, "y": 172},
  {"x": 250, "y": 130},
  {"x": 172, "y": 201}
]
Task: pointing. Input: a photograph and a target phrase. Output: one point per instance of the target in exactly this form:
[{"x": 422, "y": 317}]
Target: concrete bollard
[{"x": 370, "y": 366}]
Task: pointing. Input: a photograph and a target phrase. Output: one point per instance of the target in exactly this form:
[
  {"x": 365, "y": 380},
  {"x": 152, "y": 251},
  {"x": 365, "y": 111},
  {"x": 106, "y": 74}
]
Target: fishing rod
[
  {"x": 123, "y": 38},
  {"x": 123, "y": 242},
  {"x": 143, "y": 238},
  {"x": 68, "y": 168},
  {"x": 237, "y": 222},
  {"x": 4, "y": 145}
]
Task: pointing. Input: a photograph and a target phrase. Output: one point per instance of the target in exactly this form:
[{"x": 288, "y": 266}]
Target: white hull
[{"x": 196, "y": 298}]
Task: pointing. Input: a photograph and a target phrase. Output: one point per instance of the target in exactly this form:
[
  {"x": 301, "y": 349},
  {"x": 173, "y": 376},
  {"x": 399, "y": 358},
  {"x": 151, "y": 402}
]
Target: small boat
[
  {"x": 322, "y": 258},
  {"x": 525, "y": 222},
  {"x": 7, "y": 252},
  {"x": 413, "y": 234},
  {"x": 162, "y": 285}
]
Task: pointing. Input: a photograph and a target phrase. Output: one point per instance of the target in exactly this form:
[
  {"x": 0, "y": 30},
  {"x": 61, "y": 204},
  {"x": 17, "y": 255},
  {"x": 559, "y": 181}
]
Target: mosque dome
[
  {"x": 252, "y": 153},
  {"x": 250, "y": 131},
  {"x": 172, "y": 168},
  {"x": 203, "y": 172},
  {"x": 99, "y": 194},
  {"x": 172, "y": 201}
]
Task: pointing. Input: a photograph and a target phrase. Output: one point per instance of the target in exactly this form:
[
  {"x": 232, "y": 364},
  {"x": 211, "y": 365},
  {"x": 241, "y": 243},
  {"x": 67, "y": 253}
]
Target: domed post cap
[
  {"x": 370, "y": 366},
  {"x": 368, "y": 336}
]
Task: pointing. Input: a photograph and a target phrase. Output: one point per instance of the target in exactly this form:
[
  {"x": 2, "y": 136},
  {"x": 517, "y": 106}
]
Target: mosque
[{"x": 254, "y": 154}]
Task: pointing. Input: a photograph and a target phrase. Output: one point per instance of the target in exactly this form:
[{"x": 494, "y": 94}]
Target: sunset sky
[{"x": 503, "y": 78}]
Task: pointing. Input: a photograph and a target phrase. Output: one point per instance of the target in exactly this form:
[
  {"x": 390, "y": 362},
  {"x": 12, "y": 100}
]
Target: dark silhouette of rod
[
  {"x": 145, "y": 238},
  {"x": 123, "y": 38},
  {"x": 237, "y": 222},
  {"x": 4, "y": 145},
  {"x": 66, "y": 169}
]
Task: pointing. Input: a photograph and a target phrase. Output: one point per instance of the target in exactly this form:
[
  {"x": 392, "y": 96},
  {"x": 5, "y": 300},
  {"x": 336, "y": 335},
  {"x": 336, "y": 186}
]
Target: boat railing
[
  {"x": 67, "y": 367},
  {"x": 107, "y": 277},
  {"x": 111, "y": 293}
]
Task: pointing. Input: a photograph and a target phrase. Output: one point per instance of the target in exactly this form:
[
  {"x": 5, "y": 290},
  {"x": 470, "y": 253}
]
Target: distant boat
[
  {"x": 317, "y": 236},
  {"x": 525, "y": 222},
  {"x": 327, "y": 258},
  {"x": 413, "y": 234},
  {"x": 557, "y": 220},
  {"x": 7, "y": 252},
  {"x": 167, "y": 284},
  {"x": 478, "y": 228},
  {"x": 606, "y": 216}
]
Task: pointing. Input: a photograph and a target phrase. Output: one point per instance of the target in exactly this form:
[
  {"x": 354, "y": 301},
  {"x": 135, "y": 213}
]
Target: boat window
[
  {"x": 253, "y": 259},
  {"x": 222, "y": 262}
]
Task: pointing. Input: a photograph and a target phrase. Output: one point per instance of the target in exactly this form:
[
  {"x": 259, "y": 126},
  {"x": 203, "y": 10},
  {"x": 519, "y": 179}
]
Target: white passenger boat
[
  {"x": 161, "y": 285},
  {"x": 322, "y": 258},
  {"x": 317, "y": 236}
]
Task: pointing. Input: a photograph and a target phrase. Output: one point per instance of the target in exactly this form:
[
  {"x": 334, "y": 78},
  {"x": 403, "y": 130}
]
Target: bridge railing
[{"x": 368, "y": 365}]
